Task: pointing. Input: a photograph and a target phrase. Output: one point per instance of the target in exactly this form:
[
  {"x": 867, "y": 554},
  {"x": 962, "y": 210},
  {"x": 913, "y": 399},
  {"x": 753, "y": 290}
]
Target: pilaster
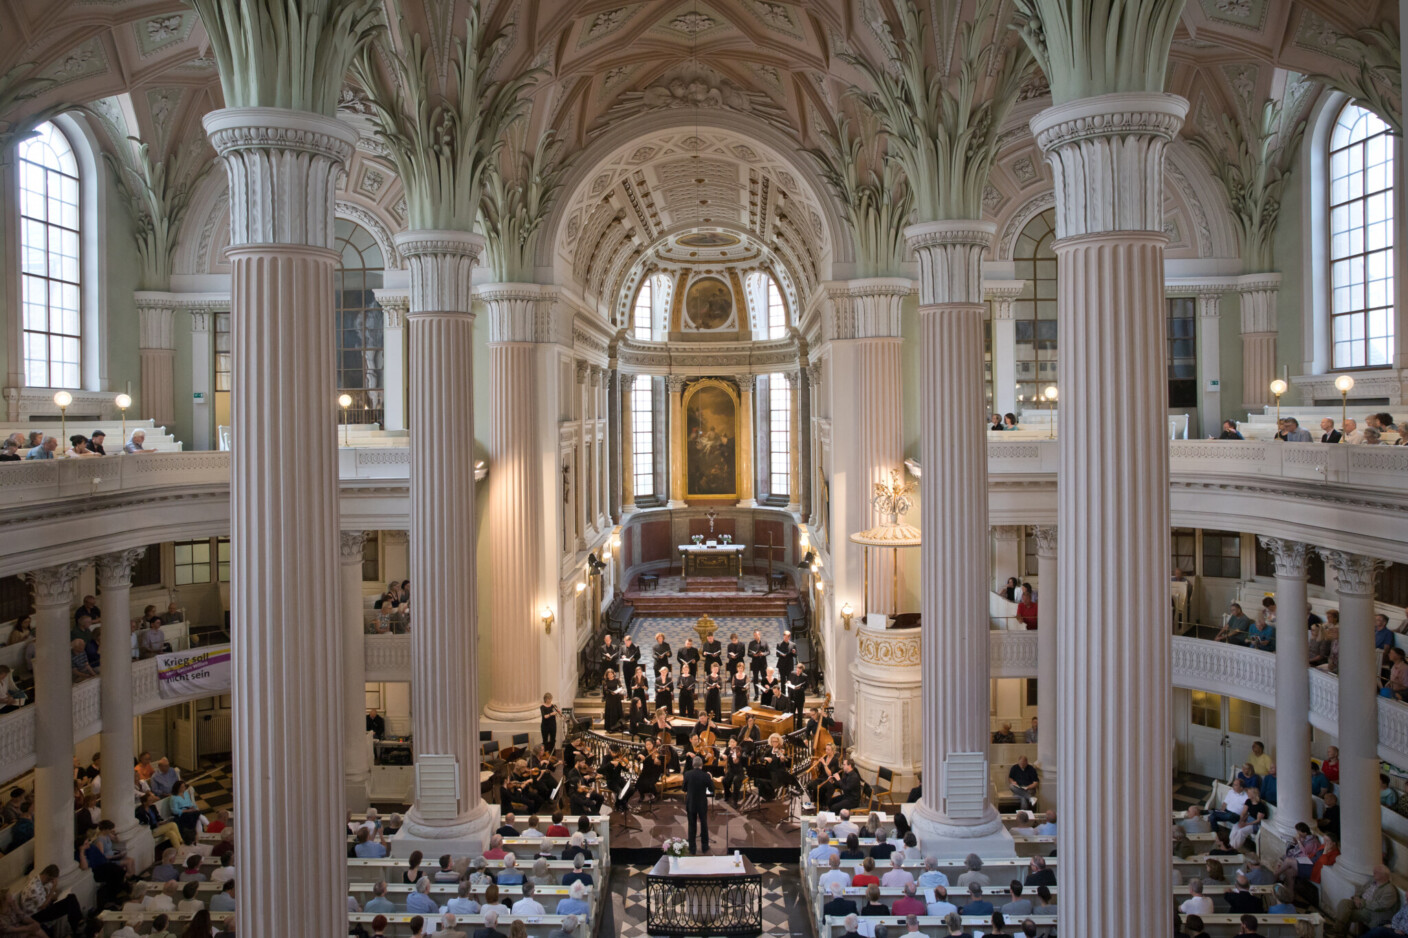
[
  {"x": 674, "y": 385},
  {"x": 156, "y": 344},
  {"x": 1002, "y": 294},
  {"x": 356, "y": 744},
  {"x": 394, "y": 306},
  {"x": 1048, "y": 676},
  {"x": 1292, "y": 753},
  {"x": 1258, "y": 293},
  {"x": 1210, "y": 363},
  {"x": 747, "y": 411}
]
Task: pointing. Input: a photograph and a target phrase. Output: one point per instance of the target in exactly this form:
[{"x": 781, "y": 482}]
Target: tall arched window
[
  {"x": 642, "y": 436},
  {"x": 360, "y": 343},
  {"x": 777, "y": 312},
  {"x": 652, "y": 300},
  {"x": 1034, "y": 310},
  {"x": 766, "y": 307},
  {"x": 1361, "y": 240},
  {"x": 50, "y": 279},
  {"x": 779, "y": 435}
]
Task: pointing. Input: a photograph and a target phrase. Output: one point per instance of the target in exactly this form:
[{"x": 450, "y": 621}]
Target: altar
[
  {"x": 712, "y": 559},
  {"x": 704, "y": 896}
]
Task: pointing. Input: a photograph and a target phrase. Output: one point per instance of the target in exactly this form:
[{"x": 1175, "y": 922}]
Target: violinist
[
  {"x": 740, "y": 688},
  {"x": 689, "y": 655},
  {"x": 687, "y": 683},
  {"x": 611, "y": 694},
  {"x": 786, "y": 654},
  {"x": 610, "y": 654},
  {"x": 713, "y": 690},
  {"x": 735, "y": 653},
  {"x": 825, "y": 775},
  {"x": 586, "y": 796},
  {"x": 630, "y": 658},
  {"x": 519, "y": 789},
  {"x": 712, "y": 763},
  {"x": 770, "y": 690},
  {"x": 750, "y": 733},
  {"x": 774, "y": 764},
  {"x": 713, "y": 652},
  {"x": 664, "y": 692},
  {"x": 662, "y": 652},
  {"x": 735, "y": 771},
  {"x": 549, "y": 713},
  {"x": 758, "y": 657}
]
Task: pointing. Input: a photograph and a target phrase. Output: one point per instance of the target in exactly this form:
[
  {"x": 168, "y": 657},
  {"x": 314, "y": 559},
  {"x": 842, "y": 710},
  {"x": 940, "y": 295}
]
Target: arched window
[
  {"x": 360, "y": 345},
  {"x": 767, "y": 310},
  {"x": 777, "y": 312},
  {"x": 1361, "y": 240},
  {"x": 643, "y": 436},
  {"x": 1034, "y": 310},
  {"x": 779, "y": 436},
  {"x": 50, "y": 279},
  {"x": 648, "y": 315}
]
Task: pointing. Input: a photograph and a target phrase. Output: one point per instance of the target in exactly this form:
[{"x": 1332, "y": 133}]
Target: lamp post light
[
  {"x": 1344, "y": 384},
  {"x": 63, "y": 399},
  {"x": 1278, "y": 387},
  {"x": 123, "y": 402},
  {"x": 1050, "y": 395},
  {"x": 344, "y": 401}
]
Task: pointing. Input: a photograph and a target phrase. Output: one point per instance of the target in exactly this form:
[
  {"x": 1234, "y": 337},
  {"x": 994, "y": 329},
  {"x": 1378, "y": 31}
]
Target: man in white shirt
[
  {"x": 938, "y": 902},
  {"x": 528, "y": 905},
  {"x": 932, "y": 875},
  {"x": 1196, "y": 903},
  {"x": 1232, "y": 803},
  {"x": 834, "y": 875},
  {"x": 823, "y": 848},
  {"x": 1352, "y": 433},
  {"x": 844, "y": 828},
  {"x": 896, "y": 876},
  {"x": 531, "y": 831}
]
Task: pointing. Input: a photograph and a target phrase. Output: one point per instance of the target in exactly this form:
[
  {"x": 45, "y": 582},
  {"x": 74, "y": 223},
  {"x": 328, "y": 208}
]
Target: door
[
  {"x": 181, "y": 735},
  {"x": 1221, "y": 731}
]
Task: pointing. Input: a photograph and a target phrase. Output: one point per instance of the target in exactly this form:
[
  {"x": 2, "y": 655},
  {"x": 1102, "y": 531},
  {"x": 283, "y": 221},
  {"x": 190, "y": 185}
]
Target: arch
[{"x": 51, "y": 250}]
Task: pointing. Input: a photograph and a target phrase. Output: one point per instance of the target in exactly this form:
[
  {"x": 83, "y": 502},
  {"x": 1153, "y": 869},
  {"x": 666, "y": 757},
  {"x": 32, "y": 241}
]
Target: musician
[
  {"x": 846, "y": 795},
  {"x": 687, "y": 683},
  {"x": 519, "y": 789},
  {"x": 689, "y": 655},
  {"x": 587, "y": 796},
  {"x": 652, "y": 767},
  {"x": 734, "y": 771},
  {"x": 640, "y": 688},
  {"x": 786, "y": 654},
  {"x": 697, "y": 786},
  {"x": 775, "y": 769},
  {"x": 610, "y": 654},
  {"x": 797, "y": 690},
  {"x": 770, "y": 690},
  {"x": 740, "y": 688},
  {"x": 713, "y": 691},
  {"x": 662, "y": 652},
  {"x": 613, "y": 770},
  {"x": 751, "y": 733},
  {"x": 637, "y": 719},
  {"x": 662, "y": 729},
  {"x": 664, "y": 692},
  {"x": 611, "y": 694},
  {"x": 713, "y": 652},
  {"x": 548, "y": 726},
  {"x": 815, "y": 719},
  {"x": 758, "y": 657},
  {"x": 704, "y": 729},
  {"x": 630, "y": 658},
  {"x": 826, "y": 775},
  {"x": 735, "y": 652}
]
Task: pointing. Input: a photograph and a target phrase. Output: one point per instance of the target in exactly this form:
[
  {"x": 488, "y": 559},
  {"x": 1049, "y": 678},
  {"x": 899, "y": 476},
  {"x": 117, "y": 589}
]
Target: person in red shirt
[
  {"x": 557, "y": 828},
  {"x": 909, "y": 903},
  {"x": 867, "y": 876},
  {"x": 1026, "y": 607},
  {"x": 1331, "y": 765},
  {"x": 496, "y": 849},
  {"x": 1327, "y": 857},
  {"x": 222, "y": 821}
]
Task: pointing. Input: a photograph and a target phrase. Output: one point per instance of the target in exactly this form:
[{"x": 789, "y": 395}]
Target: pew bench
[
  {"x": 1218, "y": 926},
  {"x": 390, "y": 869}
]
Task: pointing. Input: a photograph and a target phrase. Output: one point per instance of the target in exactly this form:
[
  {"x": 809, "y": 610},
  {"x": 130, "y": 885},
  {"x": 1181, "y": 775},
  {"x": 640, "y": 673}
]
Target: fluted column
[
  {"x": 283, "y": 167},
  {"x": 675, "y": 385},
  {"x": 1114, "y": 654},
  {"x": 1210, "y": 363},
  {"x": 1292, "y": 753},
  {"x": 517, "y": 519},
  {"x": 53, "y": 731},
  {"x": 1003, "y": 294},
  {"x": 584, "y": 482},
  {"x": 615, "y": 433},
  {"x": 1361, "y": 839},
  {"x": 747, "y": 439},
  {"x": 118, "y": 746},
  {"x": 444, "y": 646},
  {"x": 1258, "y": 297},
  {"x": 954, "y": 519},
  {"x": 156, "y": 344},
  {"x": 393, "y": 339},
  {"x": 1047, "y": 669},
  {"x": 356, "y": 753}
]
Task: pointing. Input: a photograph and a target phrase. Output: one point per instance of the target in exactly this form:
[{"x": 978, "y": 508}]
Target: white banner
[{"x": 197, "y": 672}]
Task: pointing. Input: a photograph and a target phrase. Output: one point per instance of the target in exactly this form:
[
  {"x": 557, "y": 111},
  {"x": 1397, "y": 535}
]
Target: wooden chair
[{"x": 883, "y": 791}]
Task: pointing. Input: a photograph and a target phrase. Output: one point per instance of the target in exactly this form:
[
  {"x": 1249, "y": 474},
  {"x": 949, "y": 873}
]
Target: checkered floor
[
  {"x": 1189, "y": 789},
  {"x": 214, "y": 786},
  {"x": 784, "y": 913},
  {"x": 676, "y": 630}
]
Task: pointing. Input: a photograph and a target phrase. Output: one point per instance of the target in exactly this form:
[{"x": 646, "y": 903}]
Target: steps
[{"x": 711, "y": 603}]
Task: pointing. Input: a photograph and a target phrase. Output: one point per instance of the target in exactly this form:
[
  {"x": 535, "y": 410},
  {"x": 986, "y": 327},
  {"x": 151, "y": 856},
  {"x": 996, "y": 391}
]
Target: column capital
[
  {"x": 1107, "y": 158},
  {"x": 1045, "y": 540},
  {"x": 396, "y": 538},
  {"x": 746, "y": 383},
  {"x": 950, "y": 255},
  {"x": 675, "y": 383},
  {"x": 201, "y": 320},
  {"x": 814, "y": 374},
  {"x": 522, "y": 312},
  {"x": 1291, "y": 557},
  {"x": 394, "y": 306},
  {"x": 283, "y": 168},
  {"x": 350, "y": 545},
  {"x": 598, "y": 377},
  {"x": 863, "y": 309},
  {"x": 441, "y": 264},
  {"x": 1002, "y": 294},
  {"x": 794, "y": 379},
  {"x": 53, "y": 586},
  {"x": 584, "y": 370},
  {"x": 1007, "y": 532},
  {"x": 1258, "y": 306},
  {"x": 115, "y": 569},
  {"x": 1209, "y": 305},
  {"x": 1354, "y": 573},
  {"x": 156, "y": 325}
]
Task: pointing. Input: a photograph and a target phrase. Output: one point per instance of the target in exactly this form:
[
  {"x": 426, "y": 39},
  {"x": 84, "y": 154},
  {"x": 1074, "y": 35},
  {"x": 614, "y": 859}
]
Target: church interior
[{"x": 703, "y": 467}]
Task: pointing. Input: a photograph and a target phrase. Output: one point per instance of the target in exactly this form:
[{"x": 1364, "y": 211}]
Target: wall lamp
[
  {"x": 548, "y": 619},
  {"x": 846, "y": 613}
]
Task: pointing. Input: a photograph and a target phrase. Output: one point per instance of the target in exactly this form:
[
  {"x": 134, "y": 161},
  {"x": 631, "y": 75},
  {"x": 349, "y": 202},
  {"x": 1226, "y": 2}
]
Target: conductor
[{"x": 697, "y": 784}]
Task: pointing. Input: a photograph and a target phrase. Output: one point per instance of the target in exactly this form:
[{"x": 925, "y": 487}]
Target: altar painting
[{"x": 711, "y": 450}]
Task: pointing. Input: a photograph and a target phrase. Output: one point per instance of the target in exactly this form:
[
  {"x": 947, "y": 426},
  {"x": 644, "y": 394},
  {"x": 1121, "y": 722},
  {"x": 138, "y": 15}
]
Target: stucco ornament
[
  {"x": 874, "y": 193},
  {"x": 157, "y": 193},
  {"x": 1088, "y": 48},
  {"x": 1377, "y": 80},
  {"x": 516, "y": 202}
]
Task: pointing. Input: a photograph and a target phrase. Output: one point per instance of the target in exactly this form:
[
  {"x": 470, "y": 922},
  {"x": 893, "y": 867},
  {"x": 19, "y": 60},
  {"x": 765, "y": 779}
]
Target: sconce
[
  {"x": 63, "y": 399},
  {"x": 547, "y": 620},
  {"x": 846, "y": 613},
  {"x": 123, "y": 402},
  {"x": 581, "y": 586}
]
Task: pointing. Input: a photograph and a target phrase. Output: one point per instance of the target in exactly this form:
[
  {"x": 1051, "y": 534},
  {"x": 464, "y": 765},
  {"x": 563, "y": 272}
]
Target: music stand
[
  {"x": 623, "y": 808},
  {"x": 795, "y": 789}
]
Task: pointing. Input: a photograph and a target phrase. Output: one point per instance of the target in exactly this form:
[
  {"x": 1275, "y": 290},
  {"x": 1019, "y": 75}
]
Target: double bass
[{"x": 822, "y": 737}]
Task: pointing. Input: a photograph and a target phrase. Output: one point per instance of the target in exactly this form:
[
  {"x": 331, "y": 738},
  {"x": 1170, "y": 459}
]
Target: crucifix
[
  {"x": 711, "y": 514},
  {"x": 768, "y": 588}
]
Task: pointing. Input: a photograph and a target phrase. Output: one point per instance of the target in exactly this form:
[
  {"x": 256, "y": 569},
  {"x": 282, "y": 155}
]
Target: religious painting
[
  {"x": 708, "y": 304},
  {"x": 711, "y": 433}
]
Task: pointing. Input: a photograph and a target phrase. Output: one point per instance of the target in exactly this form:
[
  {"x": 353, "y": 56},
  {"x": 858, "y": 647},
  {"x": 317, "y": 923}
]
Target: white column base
[
  {"x": 747, "y": 503},
  {"x": 514, "y": 721},
  {"x": 674, "y": 503},
  {"x": 940, "y": 837},
  {"x": 139, "y": 844},
  {"x": 468, "y": 838},
  {"x": 358, "y": 794},
  {"x": 81, "y": 883}
]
